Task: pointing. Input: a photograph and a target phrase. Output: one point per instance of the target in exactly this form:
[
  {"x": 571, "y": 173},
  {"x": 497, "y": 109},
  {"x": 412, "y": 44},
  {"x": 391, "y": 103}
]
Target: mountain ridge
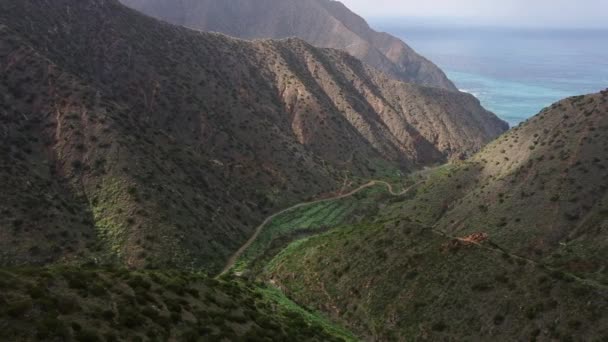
[
  {"x": 167, "y": 145},
  {"x": 324, "y": 23}
]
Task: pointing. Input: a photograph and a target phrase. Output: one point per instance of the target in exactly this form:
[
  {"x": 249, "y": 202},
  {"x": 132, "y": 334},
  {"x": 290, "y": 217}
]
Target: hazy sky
[{"x": 555, "y": 13}]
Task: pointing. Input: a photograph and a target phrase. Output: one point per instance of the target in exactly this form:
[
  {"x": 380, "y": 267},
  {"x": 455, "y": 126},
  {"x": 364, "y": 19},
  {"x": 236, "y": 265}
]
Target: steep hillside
[
  {"x": 323, "y": 23},
  {"x": 402, "y": 282},
  {"x": 126, "y": 139},
  {"x": 546, "y": 185},
  {"x": 68, "y": 304},
  {"x": 539, "y": 190},
  {"x": 508, "y": 245}
]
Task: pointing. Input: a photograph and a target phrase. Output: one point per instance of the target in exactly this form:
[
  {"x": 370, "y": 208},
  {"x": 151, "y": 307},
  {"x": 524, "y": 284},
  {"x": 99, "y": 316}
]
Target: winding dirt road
[
  {"x": 259, "y": 229},
  {"x": 496, "y": 249}
]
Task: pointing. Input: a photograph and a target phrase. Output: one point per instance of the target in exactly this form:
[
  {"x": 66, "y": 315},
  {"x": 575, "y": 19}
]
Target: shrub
[
  {"x": 439, "y": 326},
  {"x": 76, "y": 326},
  {"x": 204, "y": 331},
  {"x": 237, "y": 318},
  {"x": 190, "y": 336},
  {"x": 193, "y": 292},
  {"x": 110, "y": 337},
  {"x": 36, "y": 292},
  {"x": 149, "y": 312},
  {"x": 97, "y": 290},
  {"x": 502, "y": 278},
  {"x": 86, "y": 335},
  {"x": 533, "y": 311},
  {"x": 173, "y": 305},
  {"x": 132, "y": 191},
  {"x": 76, "y": 281},
  {"x": 482, "y": 287},
  {"x": 19, "y": 308},
  {"x": 129, "y": 318},
  {"x": 66, "y": 305},
  {"x": 575, "y": 324},
  {"x": 108, "y": 315},
  {"x": 581, "y": 291},
  {"x": 176, "y": 317},
  {"x": 559, "y": 275},
  {"x": 76, "y": 165},
  {"x": 498, "y": 319},
  {"x": 48, "y": 328}
]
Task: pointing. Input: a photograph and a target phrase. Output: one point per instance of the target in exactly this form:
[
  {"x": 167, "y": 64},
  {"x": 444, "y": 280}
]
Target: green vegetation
[
  {"x": 405, "y": 282},
  {"x": 314, "y": 319},
  {"x": 148, "y": 156},
  {"x": 319, "y": 217},
  {"x": 427, "y": 202},
  {"x": 531, "y": 247},
  {"x": 120, "y": 305},
  {"x": 184, "y": 145}
]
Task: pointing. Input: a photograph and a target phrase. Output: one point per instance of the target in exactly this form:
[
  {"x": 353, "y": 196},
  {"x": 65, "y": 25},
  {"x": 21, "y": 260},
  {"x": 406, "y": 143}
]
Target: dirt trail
[
  {"x": 259, "y": 229},
  {"x": 494, "y": 249}
]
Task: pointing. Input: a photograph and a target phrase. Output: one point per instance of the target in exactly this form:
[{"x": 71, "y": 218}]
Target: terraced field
[{"x": 315, "y": 218}]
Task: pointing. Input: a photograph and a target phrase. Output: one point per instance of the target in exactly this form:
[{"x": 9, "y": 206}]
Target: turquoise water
[
  {"x": 513, "y": 101},
  {"x": 514, "y": 72}
]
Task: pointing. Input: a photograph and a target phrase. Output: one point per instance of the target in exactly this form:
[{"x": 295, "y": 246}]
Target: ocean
[{"x": 513, "y": 72}]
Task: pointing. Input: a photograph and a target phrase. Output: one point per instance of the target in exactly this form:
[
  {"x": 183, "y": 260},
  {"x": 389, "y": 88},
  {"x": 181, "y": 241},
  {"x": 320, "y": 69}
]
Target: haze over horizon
[
  {"x": 515, "y": 58},
  {"x": 541, "y": 13}
]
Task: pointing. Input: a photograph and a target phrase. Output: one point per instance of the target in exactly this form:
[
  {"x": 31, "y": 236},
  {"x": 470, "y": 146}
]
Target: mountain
[
  {"x": 323, "y": 23},
  {"x": 539, "y": 190},
  {"x": 137, "y": 157},
  {"x": 508, "y": 245},
  {"x": 127, "y": 140}
]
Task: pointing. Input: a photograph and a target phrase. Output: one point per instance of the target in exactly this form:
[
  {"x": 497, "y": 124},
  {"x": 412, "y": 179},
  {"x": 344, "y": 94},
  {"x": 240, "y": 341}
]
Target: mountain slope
[
  {"x": 508, "y": 245},
  {"x": 538, "y": 191},
  {"x": 547, "y": 187},
  {"x": 130, "y": 140},
  {"x": 402, "y": 282},
  {"x": 323, "y": 23},
  {"x": 76, "y": 304}
]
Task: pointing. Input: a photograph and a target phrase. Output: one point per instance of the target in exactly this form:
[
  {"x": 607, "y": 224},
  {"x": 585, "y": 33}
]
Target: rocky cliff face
[
  {"x": 323, "y": 23},
  {"x": 128, "y": 139}
]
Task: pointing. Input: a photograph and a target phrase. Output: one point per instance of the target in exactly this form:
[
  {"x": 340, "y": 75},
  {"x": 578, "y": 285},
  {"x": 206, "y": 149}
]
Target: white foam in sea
[{"x": 468, "y": 92}]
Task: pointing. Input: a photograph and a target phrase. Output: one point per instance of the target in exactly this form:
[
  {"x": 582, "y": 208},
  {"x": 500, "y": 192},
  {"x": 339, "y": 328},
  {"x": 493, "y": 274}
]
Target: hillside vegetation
[
  {"x": 82, "y": 304},
  {"x": 542, "y": 187},
  {"x": 127, "y": 140},
  {"x": 323, "y": 23},
  {"x": 314, "y": 218},
  {"x": 138, "y": 157},
  {"x": 508, "y": 245},
  {"x": 404, "y": 282}
]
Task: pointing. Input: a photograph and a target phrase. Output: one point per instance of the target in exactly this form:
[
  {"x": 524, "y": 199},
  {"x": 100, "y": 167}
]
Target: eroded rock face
[{"x": 323, "y": 23}]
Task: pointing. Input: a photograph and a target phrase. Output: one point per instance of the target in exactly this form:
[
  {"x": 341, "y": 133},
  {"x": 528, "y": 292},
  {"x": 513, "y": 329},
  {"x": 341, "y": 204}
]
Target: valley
[
  {"x": 146, "y": 144},
  {"x": 403, "y": 248},
  {"x": 161, "y": 183},
  {"x": 310, "y": 216}
]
